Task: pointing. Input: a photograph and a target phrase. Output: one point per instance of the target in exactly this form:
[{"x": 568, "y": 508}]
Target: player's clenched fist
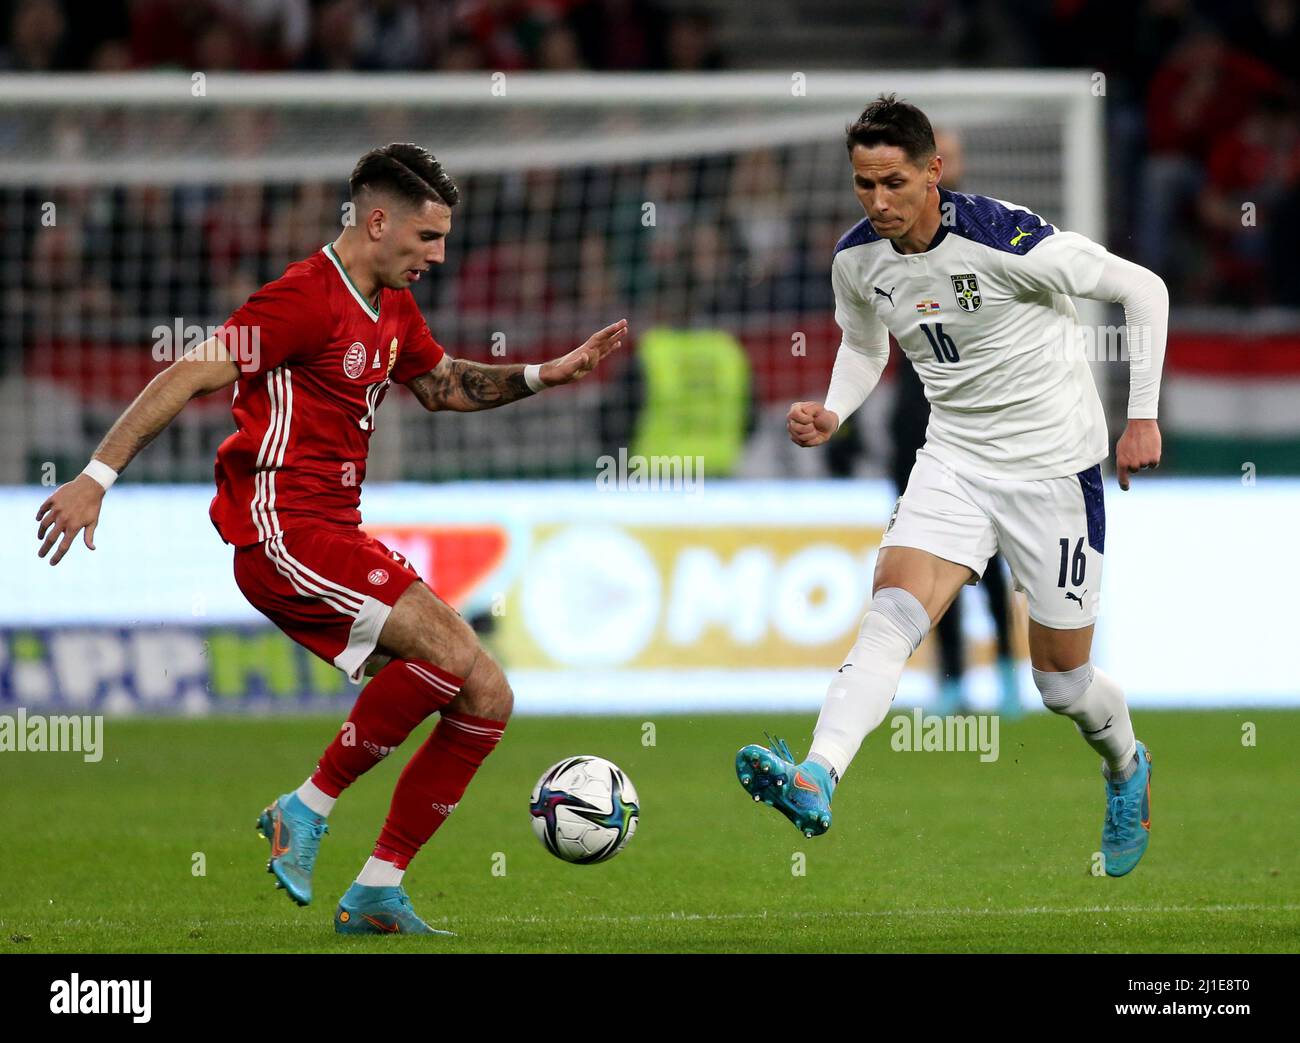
[
  {"x": 72, "y": 507},
  {"x": 810, "y": 423}
]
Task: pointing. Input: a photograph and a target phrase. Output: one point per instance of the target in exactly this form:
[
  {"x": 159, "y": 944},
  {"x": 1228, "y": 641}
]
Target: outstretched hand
[
  {"x": 583, "y": 359},
  {"x": 810, "y": 423},
  {"x": 72, "y": 507}
]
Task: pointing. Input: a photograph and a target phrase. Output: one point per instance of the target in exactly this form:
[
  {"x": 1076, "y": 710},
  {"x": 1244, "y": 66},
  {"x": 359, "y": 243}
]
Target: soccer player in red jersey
[{"x": 312, "y": 355}]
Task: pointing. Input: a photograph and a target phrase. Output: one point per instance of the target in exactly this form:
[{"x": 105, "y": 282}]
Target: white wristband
[
  {"x": 100, "y": 472},
  {"x": 533, "y": 378}
]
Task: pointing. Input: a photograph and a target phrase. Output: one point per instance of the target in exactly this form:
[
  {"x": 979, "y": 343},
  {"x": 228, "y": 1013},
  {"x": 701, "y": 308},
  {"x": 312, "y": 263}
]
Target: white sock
[
  {"x": 1096, "y": 705},
  {"x": 378, "y": 873},
  {"x": 316, "y": 799},
  {"x": 861, "y": 693}
]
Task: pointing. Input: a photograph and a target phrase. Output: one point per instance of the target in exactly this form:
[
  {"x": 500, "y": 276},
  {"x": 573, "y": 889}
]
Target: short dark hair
[
  {"x": 888, "y": 121},
  {"x": 407, "y": 171}
]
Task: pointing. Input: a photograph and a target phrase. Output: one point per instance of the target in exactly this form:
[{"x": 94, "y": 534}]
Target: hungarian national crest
[{"x": 967, "y": 291}]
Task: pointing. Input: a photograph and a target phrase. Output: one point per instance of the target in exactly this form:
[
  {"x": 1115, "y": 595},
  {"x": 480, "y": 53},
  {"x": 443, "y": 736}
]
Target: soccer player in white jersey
[{"x": 977, "y": 293}]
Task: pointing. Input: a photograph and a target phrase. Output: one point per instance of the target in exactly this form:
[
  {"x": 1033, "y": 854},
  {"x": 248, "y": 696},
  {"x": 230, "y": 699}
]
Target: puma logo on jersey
[
  {"x": 890, "y": 294},
  {"x": 1072, "y": 596},
  {"x": 1015, "y": 240}
]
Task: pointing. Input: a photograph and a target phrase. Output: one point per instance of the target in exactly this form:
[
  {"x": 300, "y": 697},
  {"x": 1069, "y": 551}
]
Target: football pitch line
[{"x": 864, "y": 914}]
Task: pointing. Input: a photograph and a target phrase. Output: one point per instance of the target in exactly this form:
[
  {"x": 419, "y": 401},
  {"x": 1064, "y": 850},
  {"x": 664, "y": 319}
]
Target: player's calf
[
  {"x": 439, "y": 772},
  {"x": 863, "y": 688},
  {"x": 1096, "y": 705}
]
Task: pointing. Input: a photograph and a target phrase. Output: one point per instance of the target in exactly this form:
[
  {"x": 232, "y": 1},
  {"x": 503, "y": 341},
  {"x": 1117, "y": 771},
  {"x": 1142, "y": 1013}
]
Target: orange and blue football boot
[
  {"x": 294, "y": 831},
  {"x": 379, "y": 910},
  {"x": 1127, "y": 826},
  {"x": 801, "y": 792}
]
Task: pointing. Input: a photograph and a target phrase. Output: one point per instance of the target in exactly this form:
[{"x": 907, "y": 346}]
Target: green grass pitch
[{"x": 929, "y": 851}]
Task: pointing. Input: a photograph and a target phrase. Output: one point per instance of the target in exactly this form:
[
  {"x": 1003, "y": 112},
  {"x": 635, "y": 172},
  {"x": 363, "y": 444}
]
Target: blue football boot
[
  {"x": 801, "y": 792},
  {"x": 1127, "y": 828},
  {"x": 379, "y": 910},
  {"x": 294, "y": 831}
]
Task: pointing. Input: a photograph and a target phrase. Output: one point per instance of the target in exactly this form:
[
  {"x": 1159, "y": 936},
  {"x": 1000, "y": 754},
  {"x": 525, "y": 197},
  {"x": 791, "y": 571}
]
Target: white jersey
[{"x": 984, "y": 314}]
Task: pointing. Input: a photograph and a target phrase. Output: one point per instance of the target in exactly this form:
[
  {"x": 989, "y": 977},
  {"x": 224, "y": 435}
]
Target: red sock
[
  {"x": 399, "y": 697},
  {"x": 433, "y": 782}
]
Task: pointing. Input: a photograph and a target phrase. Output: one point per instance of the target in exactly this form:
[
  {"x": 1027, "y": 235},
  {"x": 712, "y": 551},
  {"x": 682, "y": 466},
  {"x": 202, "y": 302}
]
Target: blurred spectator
[
  {"x": 692, "y": 44},
  {"x": 219, "y": 48},
  {"x": 1253, "y": 170},
  {"x": 557, "y": 50},
  {"x": 163, "y": 31},
  {"x": 619, "y": 34},
  {"x": 508, "y": 32},
  {"x": 391, "y": 36},
  {"x": 274, "y": 34},
  {"x": 462, "y": 53},
  {"x": 336, "y": 44},
  {"x": 758, "y": 207},
  {"x": 36, "y": 38},
  {"x": 1203, "y": 91},
  {"x": 103, "y": 25},
  {"x": 1270, "y": 30}
]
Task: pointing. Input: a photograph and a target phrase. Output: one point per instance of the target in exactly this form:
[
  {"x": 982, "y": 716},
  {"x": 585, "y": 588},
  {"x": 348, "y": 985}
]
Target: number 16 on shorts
[{"x": 1074, "y": 569}]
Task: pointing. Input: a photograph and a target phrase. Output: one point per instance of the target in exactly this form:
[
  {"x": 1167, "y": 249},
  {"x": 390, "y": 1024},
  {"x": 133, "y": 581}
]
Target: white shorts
[{"x": 1052, "y": 531}]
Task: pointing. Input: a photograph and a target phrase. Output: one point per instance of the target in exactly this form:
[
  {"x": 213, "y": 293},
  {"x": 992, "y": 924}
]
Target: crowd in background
[
  {"x": 1203, "y": 120},
  {"x": 1203, "y": 166},
  {"x": 1203, "y": 109},
  {"x": 361, "y": 35}
]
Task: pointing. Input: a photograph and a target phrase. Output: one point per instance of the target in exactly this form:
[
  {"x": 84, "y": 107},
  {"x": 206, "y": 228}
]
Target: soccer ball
[{"x": 584, "y": 809}]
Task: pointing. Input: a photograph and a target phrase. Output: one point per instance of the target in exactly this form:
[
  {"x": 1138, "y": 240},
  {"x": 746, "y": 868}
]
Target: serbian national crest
[{"x": 967, "y": 291}]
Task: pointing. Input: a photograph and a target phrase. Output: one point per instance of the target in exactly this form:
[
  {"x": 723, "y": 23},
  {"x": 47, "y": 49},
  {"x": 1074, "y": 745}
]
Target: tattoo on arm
[{"x": 467, "y": 386}]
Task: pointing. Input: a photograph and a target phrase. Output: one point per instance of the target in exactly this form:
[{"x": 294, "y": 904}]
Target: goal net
[{"x": 687, "y": 202}]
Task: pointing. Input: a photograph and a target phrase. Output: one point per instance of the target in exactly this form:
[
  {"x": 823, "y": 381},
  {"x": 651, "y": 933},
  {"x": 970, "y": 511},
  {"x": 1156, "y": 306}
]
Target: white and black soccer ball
[{"x": 584, "y": 809}]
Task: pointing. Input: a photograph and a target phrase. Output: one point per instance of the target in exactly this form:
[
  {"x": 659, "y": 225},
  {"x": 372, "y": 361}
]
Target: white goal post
[{"x": 175, "y": 193}]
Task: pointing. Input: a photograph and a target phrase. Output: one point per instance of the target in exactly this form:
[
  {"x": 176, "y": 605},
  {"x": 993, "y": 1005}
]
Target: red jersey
[{"x": 305, "y": 402}]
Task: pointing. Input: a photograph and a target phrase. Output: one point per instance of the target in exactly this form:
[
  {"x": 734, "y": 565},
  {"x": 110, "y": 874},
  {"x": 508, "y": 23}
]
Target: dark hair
[
  {"x": 407, "y": 171},
  {"x": 888, "y": 121}
]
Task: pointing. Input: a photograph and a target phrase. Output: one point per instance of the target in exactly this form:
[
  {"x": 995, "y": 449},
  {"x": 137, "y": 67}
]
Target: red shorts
[{"x": 330, "y": 589}]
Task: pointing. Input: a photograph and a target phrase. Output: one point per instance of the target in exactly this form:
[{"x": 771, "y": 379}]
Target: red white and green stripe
[{"x": 1231, "y": 400}]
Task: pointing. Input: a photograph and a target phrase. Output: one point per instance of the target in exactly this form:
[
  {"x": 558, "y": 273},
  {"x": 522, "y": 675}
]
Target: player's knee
[
  {"x": 903, "y": 611},
  {"x": 451, "y": 645},
  {"x": 1061, "y": 689},
  {"x": 486, "y": 691}
]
